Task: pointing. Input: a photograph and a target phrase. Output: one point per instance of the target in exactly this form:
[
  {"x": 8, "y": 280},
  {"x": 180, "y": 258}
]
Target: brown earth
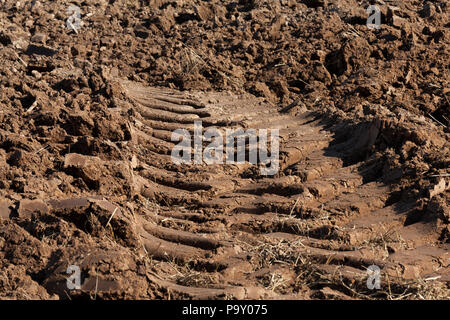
[{"x": 86, "y": 177}]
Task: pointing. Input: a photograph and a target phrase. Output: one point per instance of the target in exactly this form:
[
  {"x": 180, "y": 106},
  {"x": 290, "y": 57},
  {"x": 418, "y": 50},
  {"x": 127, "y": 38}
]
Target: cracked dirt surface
[{"x": 87, "y": 177}]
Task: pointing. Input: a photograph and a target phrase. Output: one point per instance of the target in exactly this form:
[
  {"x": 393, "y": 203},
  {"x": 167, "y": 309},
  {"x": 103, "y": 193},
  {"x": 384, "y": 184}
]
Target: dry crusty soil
[{"x": 86, "y": 176}]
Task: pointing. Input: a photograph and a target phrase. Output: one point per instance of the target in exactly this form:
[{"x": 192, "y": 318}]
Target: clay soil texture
[{"x": 91, "y": 91}]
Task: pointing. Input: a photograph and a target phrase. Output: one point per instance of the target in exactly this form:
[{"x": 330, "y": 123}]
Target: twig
[
  {"x": 112, "y": 215},
  {"x": 440, "y": 175},
  {"x": 432, "y": 278},
  {"x": 42, "y": 149},
  {"x": 20, "y": 59},
  {"x": 295, "y": 204}
]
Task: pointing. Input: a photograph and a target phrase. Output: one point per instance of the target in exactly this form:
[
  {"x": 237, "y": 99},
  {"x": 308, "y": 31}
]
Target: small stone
[{"x": 29, "y": 23}]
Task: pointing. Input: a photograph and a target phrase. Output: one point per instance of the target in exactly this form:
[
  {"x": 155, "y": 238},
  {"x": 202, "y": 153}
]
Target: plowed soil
[{"x": 87, "y": 178}]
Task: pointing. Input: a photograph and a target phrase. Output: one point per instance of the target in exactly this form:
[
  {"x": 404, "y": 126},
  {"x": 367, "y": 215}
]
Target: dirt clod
[{"x": 87, "y": 182}]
